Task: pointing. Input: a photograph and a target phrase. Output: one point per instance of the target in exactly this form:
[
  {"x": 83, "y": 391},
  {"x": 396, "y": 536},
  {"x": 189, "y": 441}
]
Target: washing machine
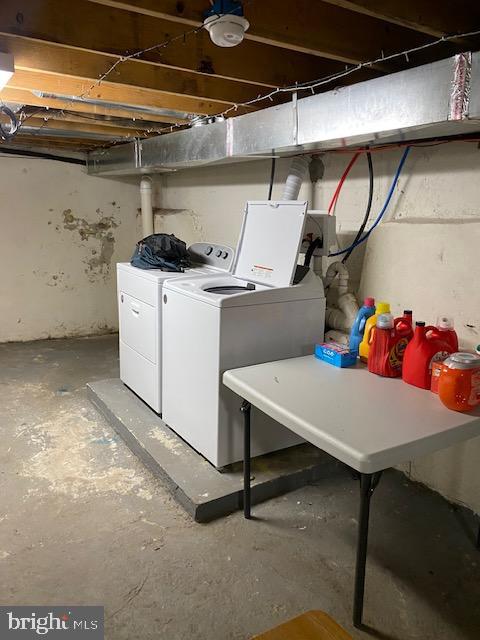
[
  {"x": 258, "y": 313},
  {"x": 140, "y": 317}
]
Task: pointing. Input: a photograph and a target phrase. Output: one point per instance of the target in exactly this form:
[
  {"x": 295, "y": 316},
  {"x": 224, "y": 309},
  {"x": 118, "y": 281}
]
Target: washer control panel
[{"x": 214, "y": 255}]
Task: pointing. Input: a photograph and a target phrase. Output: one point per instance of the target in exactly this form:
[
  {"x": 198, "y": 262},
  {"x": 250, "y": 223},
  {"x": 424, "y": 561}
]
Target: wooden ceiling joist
[
  {"x": 64, "y": 48},
  {"x": 127, "y": 125},
  {"x": 73, "y": 143},
  {"x": 112, "y": 92},
  {"x": 36, "y": 55},
  {"x": 323, "y": 29},
  {"x": 101, "y": 29},
  {"x": 26, "y": 97},
  {"x": 436, "y": 18},
  {"x": 84, "y": 127}
]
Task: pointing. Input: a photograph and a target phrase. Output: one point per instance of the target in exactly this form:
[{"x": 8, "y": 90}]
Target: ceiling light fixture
[
  {"x": 225, "y": 23},
  {"x": 6, "y": 68}
]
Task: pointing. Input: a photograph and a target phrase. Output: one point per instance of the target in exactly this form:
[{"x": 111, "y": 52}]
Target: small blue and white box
[{"x": 335, "y": 353}]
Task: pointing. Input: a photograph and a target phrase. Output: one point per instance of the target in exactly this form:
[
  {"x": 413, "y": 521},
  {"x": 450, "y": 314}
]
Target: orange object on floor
[{"x": 312, "y": 625}]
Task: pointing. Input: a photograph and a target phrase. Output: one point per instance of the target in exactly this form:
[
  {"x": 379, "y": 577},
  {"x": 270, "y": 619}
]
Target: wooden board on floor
[{"x": 312, "y": 625}]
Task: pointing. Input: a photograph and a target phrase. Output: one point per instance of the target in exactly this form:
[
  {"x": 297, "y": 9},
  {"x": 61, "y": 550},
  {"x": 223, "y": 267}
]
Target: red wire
[{"x": 342, "y": 180}]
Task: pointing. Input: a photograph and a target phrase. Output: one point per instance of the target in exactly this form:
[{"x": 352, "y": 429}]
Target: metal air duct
[{"x": 434, "y": 100}]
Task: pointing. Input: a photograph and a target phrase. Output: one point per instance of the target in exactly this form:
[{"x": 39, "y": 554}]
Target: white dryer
[
  {"x": 256, "y": 314},
  {"x": 140, "y": 317}
]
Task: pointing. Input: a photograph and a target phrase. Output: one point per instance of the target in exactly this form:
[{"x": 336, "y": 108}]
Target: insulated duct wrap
[{"x": 460, "y": 93}]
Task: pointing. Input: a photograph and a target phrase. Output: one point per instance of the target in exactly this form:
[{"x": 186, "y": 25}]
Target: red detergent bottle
[
  {"x": 405, "y": 324},
  {"x": 387, "y": 347},
  {"x": 420, "y": 354},
  {"x": 444, "y": 331}
]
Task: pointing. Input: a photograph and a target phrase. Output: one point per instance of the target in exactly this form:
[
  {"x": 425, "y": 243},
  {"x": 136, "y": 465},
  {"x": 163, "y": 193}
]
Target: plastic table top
[{"x": 368, "y": 422}]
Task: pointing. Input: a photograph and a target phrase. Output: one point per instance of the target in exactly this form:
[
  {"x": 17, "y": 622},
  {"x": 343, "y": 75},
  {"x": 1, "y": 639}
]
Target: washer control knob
[
  {"x": 208, "y": 250},
  {"x": 219, "y": 254}
]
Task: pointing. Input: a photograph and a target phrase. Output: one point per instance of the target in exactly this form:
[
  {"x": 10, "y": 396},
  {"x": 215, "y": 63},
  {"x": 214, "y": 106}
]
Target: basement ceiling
[{"x": 61, "y": 51}]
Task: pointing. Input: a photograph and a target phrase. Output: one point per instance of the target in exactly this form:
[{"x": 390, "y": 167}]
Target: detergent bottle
[
  {"x": 405, "y": 324},
  {"x": 356, "y": 334},
  {"x": 387, "y": 347},
  {"x": 420, "y": 355},
  {"x": 364, "y": 347},
  {"x": 444, "y": 331}
]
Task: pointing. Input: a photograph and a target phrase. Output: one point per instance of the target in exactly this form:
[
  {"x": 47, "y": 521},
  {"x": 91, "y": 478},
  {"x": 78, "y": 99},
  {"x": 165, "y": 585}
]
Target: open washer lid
[{"x": 269, "y": 242}]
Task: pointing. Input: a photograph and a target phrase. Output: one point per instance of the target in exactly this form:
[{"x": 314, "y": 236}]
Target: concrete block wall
[
  {"x": 423, "y": 256},
  {"x": 61, "y": 234}
]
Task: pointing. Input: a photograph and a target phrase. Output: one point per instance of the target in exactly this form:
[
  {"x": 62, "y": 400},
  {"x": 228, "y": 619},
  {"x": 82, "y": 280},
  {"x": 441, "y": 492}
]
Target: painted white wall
[
  {"x": 61, "y": 234},
  {"x": 424, "y": 255}
]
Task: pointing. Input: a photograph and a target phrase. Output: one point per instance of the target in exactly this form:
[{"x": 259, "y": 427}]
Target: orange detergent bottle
[
  {"x": 459, "y": 382},
  {"x": 420, "y": 355},
  {"x": 364, "y": 347},
  {"x": 387, "y": 347}
]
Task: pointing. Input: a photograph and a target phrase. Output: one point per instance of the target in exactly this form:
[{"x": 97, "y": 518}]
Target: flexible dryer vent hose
[{"x": 296, "y": 176}]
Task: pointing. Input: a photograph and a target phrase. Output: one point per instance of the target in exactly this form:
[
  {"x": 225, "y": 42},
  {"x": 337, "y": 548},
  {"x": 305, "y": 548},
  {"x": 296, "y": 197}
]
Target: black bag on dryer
[{"x": 161, "y": 251}]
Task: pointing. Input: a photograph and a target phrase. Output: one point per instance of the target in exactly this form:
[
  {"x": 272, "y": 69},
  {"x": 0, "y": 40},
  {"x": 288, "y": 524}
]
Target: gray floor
[{"x": 81, "y": 522}]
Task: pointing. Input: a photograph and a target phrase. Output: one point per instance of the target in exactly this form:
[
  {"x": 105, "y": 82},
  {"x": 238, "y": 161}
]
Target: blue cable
[{"x": 382, "y": 212}]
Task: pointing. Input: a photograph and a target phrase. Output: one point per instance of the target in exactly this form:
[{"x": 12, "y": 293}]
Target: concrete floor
[{"x": 82, "y": 522}]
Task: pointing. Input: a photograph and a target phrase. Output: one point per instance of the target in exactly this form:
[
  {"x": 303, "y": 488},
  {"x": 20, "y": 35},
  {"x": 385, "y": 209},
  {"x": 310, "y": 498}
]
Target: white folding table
[{"x": 368, "y": 422}]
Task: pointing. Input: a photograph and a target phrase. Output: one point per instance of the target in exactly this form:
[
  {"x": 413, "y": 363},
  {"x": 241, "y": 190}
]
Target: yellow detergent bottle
[{"x": 364, "y": 348}]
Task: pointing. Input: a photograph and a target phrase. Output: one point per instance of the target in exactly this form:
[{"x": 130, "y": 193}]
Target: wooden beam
[
  {"x": 78, "y": 144},
  {"x": 37, "y": 55},
  {"x": 25, "y": 97},
  {"x": 93, "y": 27},
  {"x": 135, "y": 127},
  {"x": 434, "y": 17},
  {"x": 112, "y": 92},
  {"x": 20, "y": 148},
  {"x": 317, "y": 28},
  {"x": 85, "y": 127}
]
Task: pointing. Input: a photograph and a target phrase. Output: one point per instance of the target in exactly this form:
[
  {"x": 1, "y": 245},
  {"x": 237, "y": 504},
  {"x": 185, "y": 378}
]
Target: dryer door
[{"x": 138, "y": 327}]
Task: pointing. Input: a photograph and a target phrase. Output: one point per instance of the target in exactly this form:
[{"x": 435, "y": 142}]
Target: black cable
[
  {"x": 44, "y": 156},
  {"x": 272, "y": 178},
  {"x": 8, "y": 133},
  {"x": 318, "y": 242},
  {"x": 369, "y": 206}
]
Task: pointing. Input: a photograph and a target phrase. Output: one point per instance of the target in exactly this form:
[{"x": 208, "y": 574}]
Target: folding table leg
[
  {"x": 368, "y": 483},
  {"x": 246, "y": 410}
]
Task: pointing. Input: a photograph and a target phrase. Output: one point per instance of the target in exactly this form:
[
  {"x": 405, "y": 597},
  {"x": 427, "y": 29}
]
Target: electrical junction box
[{"x": 320, "y": 225}]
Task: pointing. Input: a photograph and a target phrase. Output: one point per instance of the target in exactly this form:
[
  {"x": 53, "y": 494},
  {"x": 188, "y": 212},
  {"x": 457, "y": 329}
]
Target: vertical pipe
[
  {"x": 316, "y": 170},
  {"x": 146, "y": 206}
]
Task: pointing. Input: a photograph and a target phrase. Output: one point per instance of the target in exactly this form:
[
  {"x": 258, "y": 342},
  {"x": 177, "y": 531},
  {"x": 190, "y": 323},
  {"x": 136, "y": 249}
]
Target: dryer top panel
[{"x": 206, "y": 258}]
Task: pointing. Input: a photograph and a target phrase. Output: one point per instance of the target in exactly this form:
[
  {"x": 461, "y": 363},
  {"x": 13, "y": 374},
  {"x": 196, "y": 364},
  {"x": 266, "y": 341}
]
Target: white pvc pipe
[
  {"x": 342, "y": 319},
  {"x": 337, "y": 336},
  {"x": 349, "y": 305},
  {"x": 295, "y": 178},
  {"x": 146, "y": 206},
  {"x": 340, "y": 270}
]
